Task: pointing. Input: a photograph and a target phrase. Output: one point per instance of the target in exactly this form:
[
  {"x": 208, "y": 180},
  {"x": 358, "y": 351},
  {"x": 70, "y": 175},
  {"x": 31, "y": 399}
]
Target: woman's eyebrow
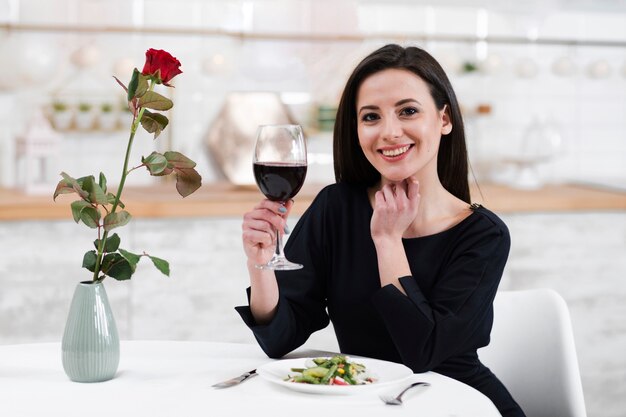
[
  {"x": 407, "y": 100},
  {"x": 369, "y": 107}
]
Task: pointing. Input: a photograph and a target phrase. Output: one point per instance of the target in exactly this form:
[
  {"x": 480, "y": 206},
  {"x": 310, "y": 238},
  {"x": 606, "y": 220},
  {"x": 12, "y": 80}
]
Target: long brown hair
[{"x": 351, "y": 165}]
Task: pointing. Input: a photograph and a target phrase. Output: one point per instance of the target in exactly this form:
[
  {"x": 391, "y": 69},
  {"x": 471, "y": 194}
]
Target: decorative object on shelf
[
  {"x": 91, "y": 344},
  {"x": 86, "y": 56},
  {"x": 98, "y": 208},
  {"x": 29, "y": 61},
  {"x": 85, "y": 116},
  {"x": 493, "y": 64},
  {"x": 469, "y": 67},
  {"x": 540, "y": 144},
  {"x": 326, "y": 115},
  {"x": 61, "y": 115},
  {"x": 526, "y": 68},
  {"x": 36, "y": 148},
  {"x": 564, "y": 67},
  {"x": 230, "y": 138},
  {"x": 107, "y": 119},
  {"x": 599, "y": 69}
]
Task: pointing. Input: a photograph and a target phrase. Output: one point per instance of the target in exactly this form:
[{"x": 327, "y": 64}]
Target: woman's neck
[{"x": 439, "y": 210}]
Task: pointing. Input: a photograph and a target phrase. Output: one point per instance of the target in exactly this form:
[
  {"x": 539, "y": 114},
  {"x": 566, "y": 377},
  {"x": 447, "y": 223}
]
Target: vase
[{"x": 91, "y": 346}]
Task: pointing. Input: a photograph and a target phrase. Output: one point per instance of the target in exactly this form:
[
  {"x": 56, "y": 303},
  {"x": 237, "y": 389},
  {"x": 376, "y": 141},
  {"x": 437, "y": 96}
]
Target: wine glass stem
[{"x": 279, "y": 244}]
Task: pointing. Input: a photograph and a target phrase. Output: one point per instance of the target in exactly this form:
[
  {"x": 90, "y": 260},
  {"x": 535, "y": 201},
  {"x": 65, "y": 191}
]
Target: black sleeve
[
  {"x": 458, "y": 314},
  {"x": 302, "y": 302}
]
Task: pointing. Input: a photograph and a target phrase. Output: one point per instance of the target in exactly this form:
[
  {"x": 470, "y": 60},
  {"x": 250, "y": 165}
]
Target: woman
[{"x": 393, "y": 253}]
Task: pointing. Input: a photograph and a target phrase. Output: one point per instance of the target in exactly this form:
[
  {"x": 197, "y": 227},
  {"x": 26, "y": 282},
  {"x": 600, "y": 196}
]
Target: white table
[{"x": 174, "y": 379}]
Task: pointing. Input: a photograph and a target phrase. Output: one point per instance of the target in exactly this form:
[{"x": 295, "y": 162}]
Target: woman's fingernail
[
  {"x": 286, "y": 230},
  {"x": 282, "y": 209}
]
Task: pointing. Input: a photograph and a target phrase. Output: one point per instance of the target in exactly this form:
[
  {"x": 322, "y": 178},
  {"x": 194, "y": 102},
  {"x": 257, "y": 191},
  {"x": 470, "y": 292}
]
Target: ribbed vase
[{"x": 91, "y": 345}]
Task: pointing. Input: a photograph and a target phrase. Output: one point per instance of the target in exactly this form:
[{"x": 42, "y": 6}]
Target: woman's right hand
[{"x": 259, "y": 229}]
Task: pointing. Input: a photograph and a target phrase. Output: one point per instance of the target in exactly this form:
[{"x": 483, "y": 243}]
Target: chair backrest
[{"x": 532, "y": 352}]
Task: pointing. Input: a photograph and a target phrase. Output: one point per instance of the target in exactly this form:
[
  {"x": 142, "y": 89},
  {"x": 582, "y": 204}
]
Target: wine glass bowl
[{"x": 279, "y": 166}]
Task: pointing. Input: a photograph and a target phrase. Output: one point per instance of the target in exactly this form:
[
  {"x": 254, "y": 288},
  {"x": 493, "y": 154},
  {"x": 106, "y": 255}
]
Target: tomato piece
[{"x": 339, "y": 381}]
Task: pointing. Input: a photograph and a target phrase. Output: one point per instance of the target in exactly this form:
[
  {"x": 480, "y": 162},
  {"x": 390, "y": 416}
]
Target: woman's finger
[
  {"x": 413, "y": 188},
  {"x": 259, "y": 238},
  {"x": 264, "y": 214},
  {"x": 273, "y": 206},
  {"x": 260, "y": 226},
  {"x": 389, "y": 196}
]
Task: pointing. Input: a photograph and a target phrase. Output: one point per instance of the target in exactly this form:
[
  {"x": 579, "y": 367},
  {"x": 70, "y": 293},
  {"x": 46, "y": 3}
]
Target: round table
[{"x": 166, "y": 378}]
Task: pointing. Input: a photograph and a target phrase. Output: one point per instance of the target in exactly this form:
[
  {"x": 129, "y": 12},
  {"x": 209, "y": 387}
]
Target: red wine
[{"x": 279, "y": 181}]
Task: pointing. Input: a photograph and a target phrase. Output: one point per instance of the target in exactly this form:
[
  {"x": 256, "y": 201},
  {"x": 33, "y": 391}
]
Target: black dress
[{"x": 446, "y": 315}]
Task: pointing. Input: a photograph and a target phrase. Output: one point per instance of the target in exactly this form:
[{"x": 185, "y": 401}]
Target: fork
[{"x": 397, "y": 400}]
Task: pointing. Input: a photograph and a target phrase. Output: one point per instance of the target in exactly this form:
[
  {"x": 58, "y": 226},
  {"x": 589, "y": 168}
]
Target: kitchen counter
[{"x": 223, "y": 199}]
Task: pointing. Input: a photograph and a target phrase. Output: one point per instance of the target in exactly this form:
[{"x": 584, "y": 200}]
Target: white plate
[{"x": 384, "y": 372}]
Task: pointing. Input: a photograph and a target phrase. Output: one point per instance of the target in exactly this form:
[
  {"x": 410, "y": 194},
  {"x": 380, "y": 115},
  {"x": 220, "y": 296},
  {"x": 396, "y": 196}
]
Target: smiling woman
[
  {"x": 393, "y": 254},
  {"x": 400, "y": 136}
]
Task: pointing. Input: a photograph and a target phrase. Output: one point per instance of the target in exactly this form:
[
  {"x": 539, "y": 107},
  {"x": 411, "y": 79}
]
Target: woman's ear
[{"x": 446, "y": 126}]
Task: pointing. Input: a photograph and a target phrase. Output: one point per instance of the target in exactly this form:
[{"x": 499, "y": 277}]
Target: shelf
[
  {"x": 308, "y": 36},
  {"x": 226, "y": 200}
]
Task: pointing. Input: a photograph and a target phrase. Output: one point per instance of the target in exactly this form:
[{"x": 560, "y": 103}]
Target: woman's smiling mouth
[{"x": 396, "y": 152}]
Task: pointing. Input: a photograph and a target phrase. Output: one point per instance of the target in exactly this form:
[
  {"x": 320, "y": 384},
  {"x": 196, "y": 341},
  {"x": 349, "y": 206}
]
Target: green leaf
[
  {"x": 155, "y": 162},
  {"x": 111, "y": 244},
  {"x": 96, "y": 194},
  {"x": 90, "y": 216},
  {"x": 63, "y": 187},
  {"x": 155, "y": 101},
  {"x": 111, "y": 200},
  {"x": 153, "y": 122},
  {"x": 187, "y": 181},
  {"x": 121, "y": 83},
  {"x": 161, "y": 264},
  {"x": 142, "y": 86},
  {"x": 113, "y": 220},
  {"x": 75, "y": 185},
  {"x": 89, "y": 260},
  {"x": 103, "y": 182},
  {"x": 77, "y": 207},
  {"x": 132, "y": 258},
  {"x": 133, "y": 84},
  {"x": 178, "y": 160},
  {"x": 116, "y": 266}
]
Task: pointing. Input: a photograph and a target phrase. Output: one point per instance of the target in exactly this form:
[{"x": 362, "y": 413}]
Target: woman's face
[{"x": 399, "y": 126}]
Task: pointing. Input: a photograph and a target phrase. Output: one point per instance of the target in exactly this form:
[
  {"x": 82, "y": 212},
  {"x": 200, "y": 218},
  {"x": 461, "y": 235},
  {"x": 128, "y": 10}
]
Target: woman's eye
[
  {"x": 408, "y": 111},
  {"x": 369, "y": 117}
]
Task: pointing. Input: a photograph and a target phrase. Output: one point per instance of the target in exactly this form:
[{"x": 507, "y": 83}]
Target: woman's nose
[{"x": 392, "y": 128}]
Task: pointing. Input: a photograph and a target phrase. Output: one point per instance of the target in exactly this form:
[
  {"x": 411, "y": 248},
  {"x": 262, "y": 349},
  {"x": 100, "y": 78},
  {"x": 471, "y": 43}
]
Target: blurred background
[{"x": 543, "y": 90}]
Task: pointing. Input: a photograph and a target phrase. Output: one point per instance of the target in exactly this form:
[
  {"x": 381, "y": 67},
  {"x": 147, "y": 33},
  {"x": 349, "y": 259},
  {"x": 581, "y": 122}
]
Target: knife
[{"x": 235, "y": 381}]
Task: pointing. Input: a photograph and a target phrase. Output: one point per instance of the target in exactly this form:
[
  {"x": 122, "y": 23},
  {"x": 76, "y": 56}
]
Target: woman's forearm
[
  {"x": 392, "y": 262},
  {"x": 263, "y": 294}
]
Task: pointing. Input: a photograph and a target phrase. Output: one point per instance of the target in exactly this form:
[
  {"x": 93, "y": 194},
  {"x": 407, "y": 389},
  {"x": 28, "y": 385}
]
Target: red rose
[{"x": 161, "y": 65}]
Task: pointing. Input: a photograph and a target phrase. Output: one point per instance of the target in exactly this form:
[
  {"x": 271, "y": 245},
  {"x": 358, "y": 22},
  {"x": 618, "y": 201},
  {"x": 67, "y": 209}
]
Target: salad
[{"x": 337, "y": 370}]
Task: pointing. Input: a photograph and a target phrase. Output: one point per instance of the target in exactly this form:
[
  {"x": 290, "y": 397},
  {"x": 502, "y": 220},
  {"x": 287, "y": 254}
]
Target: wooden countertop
[{"x": 221, "y": 199}]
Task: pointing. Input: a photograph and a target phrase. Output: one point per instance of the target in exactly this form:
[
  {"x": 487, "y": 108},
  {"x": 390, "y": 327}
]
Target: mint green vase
[{"x": 91, "y": 345}]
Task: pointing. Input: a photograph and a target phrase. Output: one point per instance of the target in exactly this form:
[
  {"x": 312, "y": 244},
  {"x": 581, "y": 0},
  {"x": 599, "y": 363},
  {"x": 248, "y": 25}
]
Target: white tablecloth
[{"x": 174, "y": 379}]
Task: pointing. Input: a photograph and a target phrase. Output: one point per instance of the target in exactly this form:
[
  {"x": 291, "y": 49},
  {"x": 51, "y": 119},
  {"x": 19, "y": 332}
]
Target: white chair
[{"x": 532, "y": 352}]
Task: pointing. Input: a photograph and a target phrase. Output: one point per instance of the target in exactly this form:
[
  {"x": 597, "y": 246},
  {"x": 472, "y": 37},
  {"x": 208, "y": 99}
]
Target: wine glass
[{"x": 279, "y": 169}]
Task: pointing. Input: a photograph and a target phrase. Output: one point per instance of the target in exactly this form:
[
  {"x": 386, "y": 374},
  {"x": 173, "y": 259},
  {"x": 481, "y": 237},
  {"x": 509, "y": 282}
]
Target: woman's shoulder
[{"x": 487, "y": 218}]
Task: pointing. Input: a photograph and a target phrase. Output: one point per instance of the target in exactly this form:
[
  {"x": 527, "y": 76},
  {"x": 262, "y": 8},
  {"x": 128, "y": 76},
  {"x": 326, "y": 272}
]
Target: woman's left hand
[{"x": 395, "y": 208}]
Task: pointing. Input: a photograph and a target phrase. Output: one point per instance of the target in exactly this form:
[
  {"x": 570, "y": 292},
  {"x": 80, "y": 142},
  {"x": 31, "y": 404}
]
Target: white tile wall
[{"x": 588, "y": 112}]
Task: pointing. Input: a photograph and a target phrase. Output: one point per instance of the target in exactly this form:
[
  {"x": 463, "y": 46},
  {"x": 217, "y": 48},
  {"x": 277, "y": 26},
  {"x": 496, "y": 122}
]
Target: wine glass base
[{"x": 280, "y": 264}]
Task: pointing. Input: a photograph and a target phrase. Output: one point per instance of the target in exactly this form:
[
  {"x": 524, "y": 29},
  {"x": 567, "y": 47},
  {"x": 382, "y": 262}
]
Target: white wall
[{"x": 586, "y": 112}]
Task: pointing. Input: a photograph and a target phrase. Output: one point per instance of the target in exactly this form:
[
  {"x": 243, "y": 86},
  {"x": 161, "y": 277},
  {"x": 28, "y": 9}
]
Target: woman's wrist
[{"x": 385, "y": 241}]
